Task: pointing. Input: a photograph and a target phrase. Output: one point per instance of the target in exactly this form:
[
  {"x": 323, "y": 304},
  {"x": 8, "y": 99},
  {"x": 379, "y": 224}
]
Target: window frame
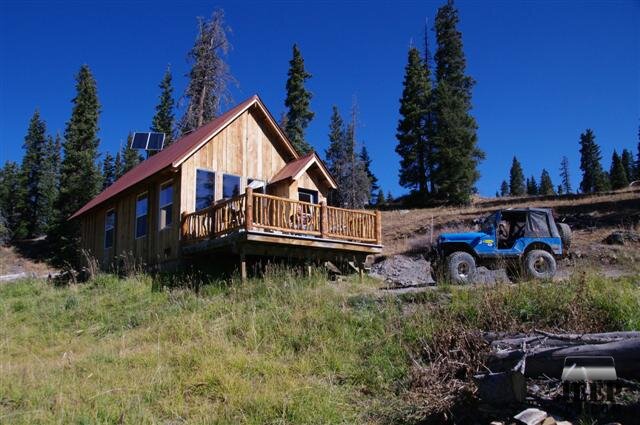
[
  {"x": 313, "y": 194},
  {"x": 215, "y": 185},
  {"x": 161, "y": 206},
  {"x": 144, "y": 194},
  {"x": 239, "y": 185},
  {"x": 113, "y": 228}
]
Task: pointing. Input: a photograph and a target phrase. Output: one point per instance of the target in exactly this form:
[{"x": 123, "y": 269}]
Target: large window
[
  {"x": 142, "y": 208},
  {"x": 109, "y": 228},
  {"x": 166, "y": 205},
  {"x": 230, "y": 186},
  {"x": 307, "y": 195},
  {"x": 205, "y": 188}
]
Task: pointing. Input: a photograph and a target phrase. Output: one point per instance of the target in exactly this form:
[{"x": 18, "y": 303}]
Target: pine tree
[
  {"x": 593, "y": 177},
  {"x": 390, "y": 197},
  {"x": 356, "y": 192},
  {"x": 412, "y": 132},
  {"x": 209, "y": 77},
  {"x": 366, "y": 161},
  {"x": 118, "y": 166},
  {"x": 516, "y": 179},
  {"x": 546, "y": 185},
  {"x": 298, "y": 102},
  {"x": 11, "y": 188},
  {"x": 380, "y": 199},
  {"x": 455, "y": 151},
  {"x": 80, "y": 177},
  {"x": 336, "y": 155},
  {"x": 637, "y": 167},
  {"x": 108, "y": 171},
  {"x": 51, "y": 181},
  {"x": 35, "y": 204},
  {"x": 504, "y": 188},
  {"x": 627, "y": 163},
  {"x": 618, "y": 177},
  {"x": 163, "y": 120},
  {"x": 532, "y": 186},
  {"x": 560, "y": 190},
  {"x": 130, "y": 157},
  {"x": 565, "y": 175}
]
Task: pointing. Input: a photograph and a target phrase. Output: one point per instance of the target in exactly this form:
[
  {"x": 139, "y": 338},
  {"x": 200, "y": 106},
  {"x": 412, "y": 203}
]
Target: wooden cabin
[{"x": 235, "y": 185}]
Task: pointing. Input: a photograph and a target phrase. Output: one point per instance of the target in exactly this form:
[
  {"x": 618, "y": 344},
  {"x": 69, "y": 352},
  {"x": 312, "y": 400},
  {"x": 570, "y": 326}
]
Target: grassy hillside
[{"x": 284, "y": 349}]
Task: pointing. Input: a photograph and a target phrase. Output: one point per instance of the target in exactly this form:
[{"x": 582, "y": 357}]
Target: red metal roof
[
  {"x": 295, "y": 167},
  {"x": 173, "y": 154}
]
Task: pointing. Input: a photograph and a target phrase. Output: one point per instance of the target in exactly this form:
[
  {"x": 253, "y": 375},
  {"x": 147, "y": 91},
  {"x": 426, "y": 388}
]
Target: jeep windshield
[{"x": 488, "y": 224}]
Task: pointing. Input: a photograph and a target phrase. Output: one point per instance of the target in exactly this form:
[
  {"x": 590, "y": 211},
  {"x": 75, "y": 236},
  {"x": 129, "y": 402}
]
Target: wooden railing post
[
  {"x": 183, "y": 224},
  {"x": 378, "y": 227},
  {"x": 324, "y": 222},
  {"x": 248, "y": 214}
]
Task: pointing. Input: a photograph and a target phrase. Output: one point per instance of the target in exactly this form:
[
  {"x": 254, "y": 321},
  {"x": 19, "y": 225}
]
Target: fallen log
[
  {"x": 555, "y": 340},
  {"x": 549, "y": 361}
]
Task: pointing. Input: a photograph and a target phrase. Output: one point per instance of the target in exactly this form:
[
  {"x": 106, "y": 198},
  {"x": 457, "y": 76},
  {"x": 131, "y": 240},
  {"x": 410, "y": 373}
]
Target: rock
[
  {"x": 403, "y": 270},
  {"x": 531, "y": 416},
  {"x": 563, "y": 423},
  {"x": 502, "y": 387},
  {"x": 622, "y": 237},
  {"x": 549, "y": 421},
  {"x": 486, "y": 276}
]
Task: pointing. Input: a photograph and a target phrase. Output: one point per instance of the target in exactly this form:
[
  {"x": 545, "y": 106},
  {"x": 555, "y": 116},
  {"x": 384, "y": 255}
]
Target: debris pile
[{"x": 403, "y": 270}]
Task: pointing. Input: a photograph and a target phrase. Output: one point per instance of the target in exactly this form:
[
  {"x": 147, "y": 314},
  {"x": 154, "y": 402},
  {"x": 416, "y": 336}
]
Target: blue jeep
[{"x": 526, "y": 240}]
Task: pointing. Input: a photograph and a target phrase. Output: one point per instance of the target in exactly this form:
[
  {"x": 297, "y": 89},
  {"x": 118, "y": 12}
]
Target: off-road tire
[
  {"x": 461, "y": 266},
  {"x": 565, "y": 235},
  {"x": 539, "y": 264}
]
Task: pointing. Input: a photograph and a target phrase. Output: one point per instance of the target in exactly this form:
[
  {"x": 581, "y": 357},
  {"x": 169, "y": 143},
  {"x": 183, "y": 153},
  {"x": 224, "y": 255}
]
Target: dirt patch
[{"x": 13, "y": 263}]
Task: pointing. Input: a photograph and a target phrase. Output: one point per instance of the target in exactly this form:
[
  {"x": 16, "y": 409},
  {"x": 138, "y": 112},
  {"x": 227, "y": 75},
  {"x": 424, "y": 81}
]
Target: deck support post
[
  {"x": 243, "y": 266},
  {"x": 324, "y": 222},
  {"x": 248, "y": 214}
]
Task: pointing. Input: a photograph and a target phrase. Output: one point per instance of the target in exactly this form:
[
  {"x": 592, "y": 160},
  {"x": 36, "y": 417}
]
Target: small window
[
  {"x": 205, "y": 188},
  {"x": 307, "y": 195},
  {"x": 256, "y": 184},
  {"x": 142, "y": 208},
  {"x": 166, "y": 205},
  {"x": 109, "y": 228},
  {"x": 230, "y": 186}
]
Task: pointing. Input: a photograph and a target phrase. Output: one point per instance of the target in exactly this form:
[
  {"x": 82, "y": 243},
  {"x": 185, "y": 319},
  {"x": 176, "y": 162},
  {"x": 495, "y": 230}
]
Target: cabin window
[
  {"x": 205, "y": 188},
  {"x": 109, "y": 228},
  {"x": 256, "y": 184},
  {"x": 230, "y": 186},
  {"x": 166, "y": 205},
  {"x": 307, "y": 195},
  {"x": 142, "y": 208}
]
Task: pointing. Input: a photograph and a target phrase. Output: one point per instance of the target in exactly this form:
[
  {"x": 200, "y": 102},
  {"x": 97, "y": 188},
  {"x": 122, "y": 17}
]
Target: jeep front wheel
[
  {"x": 461, "y": 267},
  {"x": 539, "y": 264}
]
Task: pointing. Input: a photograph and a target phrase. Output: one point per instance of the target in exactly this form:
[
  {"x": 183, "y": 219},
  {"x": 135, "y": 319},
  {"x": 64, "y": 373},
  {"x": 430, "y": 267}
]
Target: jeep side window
[{"x": 488, "y": 225}]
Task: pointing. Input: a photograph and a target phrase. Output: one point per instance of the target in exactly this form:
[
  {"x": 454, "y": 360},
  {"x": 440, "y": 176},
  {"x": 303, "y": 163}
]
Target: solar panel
[
  {"x": 139, "y": 140},
  {"x": 156, "y": 141}
]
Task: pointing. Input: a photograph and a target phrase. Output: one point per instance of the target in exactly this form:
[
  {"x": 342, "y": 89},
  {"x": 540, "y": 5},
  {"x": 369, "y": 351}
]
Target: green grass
[{"x": 284, "y": 349}]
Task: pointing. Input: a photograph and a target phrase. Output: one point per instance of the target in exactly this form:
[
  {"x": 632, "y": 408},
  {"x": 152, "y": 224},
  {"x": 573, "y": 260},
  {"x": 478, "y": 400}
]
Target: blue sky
[{"x": 545, "y": 70}]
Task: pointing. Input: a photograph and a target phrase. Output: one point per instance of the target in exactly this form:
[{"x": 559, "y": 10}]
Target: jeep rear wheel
[
  {"x": 461, "y": 267},
  {"x": 539, "y": 264}
]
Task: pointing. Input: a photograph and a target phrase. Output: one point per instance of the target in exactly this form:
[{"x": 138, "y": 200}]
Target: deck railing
[{"x": 257, "y": 211}]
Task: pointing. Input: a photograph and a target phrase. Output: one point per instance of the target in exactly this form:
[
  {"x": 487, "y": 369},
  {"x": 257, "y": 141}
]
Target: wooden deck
[{"x": 259, "y": 224}]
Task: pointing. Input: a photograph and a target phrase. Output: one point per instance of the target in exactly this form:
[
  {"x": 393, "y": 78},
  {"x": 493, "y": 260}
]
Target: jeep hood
[{"x": 461, "y": 237}]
